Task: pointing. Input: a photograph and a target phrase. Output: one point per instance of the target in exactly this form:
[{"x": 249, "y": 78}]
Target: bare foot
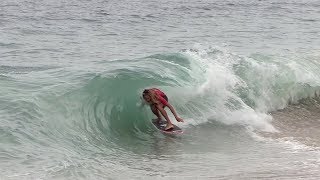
[{"x": 168, "y": 127}]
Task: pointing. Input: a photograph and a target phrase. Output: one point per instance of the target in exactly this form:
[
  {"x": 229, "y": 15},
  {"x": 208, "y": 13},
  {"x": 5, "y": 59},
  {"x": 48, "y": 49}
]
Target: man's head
[{"x": 146, "y": 95}]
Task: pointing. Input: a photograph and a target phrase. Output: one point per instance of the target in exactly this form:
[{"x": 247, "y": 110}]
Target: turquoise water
[{"x": 71, "y": 75}]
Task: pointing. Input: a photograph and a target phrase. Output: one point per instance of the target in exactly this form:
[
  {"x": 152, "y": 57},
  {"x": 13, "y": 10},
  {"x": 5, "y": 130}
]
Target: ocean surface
[{"x": 243, "y": 74}]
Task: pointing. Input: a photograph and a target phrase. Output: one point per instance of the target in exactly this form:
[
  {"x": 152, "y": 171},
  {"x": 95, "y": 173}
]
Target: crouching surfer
[{"x": 158, "y": 101}]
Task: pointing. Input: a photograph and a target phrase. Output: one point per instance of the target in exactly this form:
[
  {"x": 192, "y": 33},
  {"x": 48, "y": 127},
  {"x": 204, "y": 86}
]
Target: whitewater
[{"x": 244, "y": 76}]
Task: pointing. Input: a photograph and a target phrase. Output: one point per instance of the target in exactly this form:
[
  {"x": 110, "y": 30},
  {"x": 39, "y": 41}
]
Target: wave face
[
  {"x": 74, "y": 117},
  {"x": 205, "y": 84}
]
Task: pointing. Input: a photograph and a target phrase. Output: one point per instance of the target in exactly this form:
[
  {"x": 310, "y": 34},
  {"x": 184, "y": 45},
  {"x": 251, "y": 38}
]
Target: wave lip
[{"x": 205, "y": 84}]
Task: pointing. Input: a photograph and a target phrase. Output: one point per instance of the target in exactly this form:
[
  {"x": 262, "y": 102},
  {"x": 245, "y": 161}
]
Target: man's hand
[{"x": 179, "y": 119}]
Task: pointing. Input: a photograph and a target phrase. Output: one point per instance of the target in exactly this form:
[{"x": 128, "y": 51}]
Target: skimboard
[{"x": 163, "y": 124}]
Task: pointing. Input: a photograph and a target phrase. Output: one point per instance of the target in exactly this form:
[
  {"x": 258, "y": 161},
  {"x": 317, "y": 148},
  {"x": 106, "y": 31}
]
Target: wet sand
[{"x": 299, "y": 122}]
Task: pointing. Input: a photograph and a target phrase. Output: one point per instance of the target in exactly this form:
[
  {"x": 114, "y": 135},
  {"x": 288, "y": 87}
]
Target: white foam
[{"x": 215, "y": 91}]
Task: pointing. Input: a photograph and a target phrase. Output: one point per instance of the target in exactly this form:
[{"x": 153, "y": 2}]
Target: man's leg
[{"x": 156, "y": 112}]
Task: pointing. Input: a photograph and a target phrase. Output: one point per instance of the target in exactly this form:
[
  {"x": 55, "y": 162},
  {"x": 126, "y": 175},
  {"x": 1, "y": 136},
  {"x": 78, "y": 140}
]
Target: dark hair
[{"x": 145, "y": 92}]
